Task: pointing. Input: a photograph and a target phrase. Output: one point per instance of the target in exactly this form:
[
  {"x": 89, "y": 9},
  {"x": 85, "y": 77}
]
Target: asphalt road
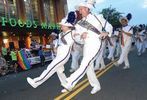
[{"x": 116, "y": 83}]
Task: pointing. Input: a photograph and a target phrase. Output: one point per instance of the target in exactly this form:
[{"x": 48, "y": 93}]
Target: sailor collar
[{"x": 84, "y": 18}]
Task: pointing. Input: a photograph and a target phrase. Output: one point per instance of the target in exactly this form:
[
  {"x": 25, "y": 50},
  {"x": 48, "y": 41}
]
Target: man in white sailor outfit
[
  {"x": 63, "y": 53},
  {"x": 76, "y": 53},
  {"x": 112, "y": 46},
  {"x": 54, "y": 44},
  {"x": 100, "y": 59},
  {"x": 90, "y": 29},
  {"x": 126, "y": 41},
  {"x": 99, "y": 62},
  {"x": 117, "y": 44},
  {"x": 140, "y": 42},
  {"x": 77, "y": 48}
]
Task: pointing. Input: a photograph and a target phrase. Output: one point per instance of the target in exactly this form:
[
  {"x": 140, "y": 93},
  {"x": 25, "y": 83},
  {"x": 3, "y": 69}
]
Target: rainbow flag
[{"x": 23, "y": 61}]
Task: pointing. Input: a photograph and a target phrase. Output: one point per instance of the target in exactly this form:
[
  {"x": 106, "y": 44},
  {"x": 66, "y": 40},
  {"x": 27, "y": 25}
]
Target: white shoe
[
  {"x": 67, "y": 86},
  {"x": 96, "y": 68},
  {"x": 139, "y": 54},
  {"x": 63, "y": 90},
  {"x": 116, "y": 64},
  {"x": 126, "y": 67},
  {"x": 102, "y": 68},
  {"x": 31, "y": 82},
  {"x": 95, "y": 90}
]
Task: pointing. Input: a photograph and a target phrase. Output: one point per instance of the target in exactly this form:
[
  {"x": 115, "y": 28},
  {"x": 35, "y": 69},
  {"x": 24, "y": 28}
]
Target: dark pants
[{"x": 42, "y": 58}]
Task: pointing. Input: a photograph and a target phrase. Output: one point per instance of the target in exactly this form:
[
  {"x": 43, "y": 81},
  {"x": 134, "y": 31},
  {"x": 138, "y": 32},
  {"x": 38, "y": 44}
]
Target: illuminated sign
[{"x": 28, "y": 24}]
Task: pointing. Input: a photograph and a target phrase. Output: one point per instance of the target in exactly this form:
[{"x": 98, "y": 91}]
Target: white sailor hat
[
  {"x": 128, "y": 17},
  {"x": 123, "y": 18},
  {"x": 84, "y": 4},
  {"x": 65, "y": 23}
]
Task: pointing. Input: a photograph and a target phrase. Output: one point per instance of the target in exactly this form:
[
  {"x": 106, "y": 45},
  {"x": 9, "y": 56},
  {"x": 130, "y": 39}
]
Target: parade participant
[
  {"x": 54, "y": 44},
  {"x": 77, "y": 49},
  {"x": 112, "y": 46},
  {"x": 63, "y": 54},
  {"x": 90, "y": 29},
  {"x": 118, "y": 44},
  {"x": 76, "y": 53},
  {"x": 126, "y": 41},
  {"x": 140, "y": 36},
  {"x": 99, "y": 62}
]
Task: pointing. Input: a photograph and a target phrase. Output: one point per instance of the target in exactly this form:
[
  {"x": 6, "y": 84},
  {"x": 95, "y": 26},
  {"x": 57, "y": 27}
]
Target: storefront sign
[{"x": 28, "y": 24}]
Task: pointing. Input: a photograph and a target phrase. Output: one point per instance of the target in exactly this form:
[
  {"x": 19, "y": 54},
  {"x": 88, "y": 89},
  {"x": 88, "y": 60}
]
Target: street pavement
[{"x": 116, "y": 84}]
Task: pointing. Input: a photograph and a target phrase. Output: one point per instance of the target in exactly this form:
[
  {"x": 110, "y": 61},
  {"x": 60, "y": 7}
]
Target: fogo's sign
[{"x": 28, "y": 24}]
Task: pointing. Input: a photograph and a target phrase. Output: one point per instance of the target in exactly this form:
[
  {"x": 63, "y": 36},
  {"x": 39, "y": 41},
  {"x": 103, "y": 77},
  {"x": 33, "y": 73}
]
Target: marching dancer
[
  {"x": 63, "y": 53},
  {"x": 126, "y": 41},
  {"x": 90, "y": 29}
]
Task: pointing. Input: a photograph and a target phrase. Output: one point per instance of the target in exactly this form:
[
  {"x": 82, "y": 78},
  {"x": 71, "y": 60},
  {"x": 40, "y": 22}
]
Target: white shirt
[
  {"x": 96, "y": 20},
  {"x": 68, "y": 37},
  {"x": 126, "y": 38},
  {"x": 55, "y": 42}
]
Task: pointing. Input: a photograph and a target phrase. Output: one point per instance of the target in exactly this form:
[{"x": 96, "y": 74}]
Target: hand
[
  {"x": 103, "y": 35},
  {"x": 84, "y": 35},
  {"x": 122, "y": 31}
]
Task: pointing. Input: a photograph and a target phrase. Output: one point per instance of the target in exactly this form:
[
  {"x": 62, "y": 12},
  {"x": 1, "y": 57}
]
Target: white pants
[
  {"x": 57, "y": 65},
  {"x": 140, "y": 46},
  {"x": 111, "y": 49},
  {"x": 90, "y": 51},
  {"x": 100, "y": 60},
  {"x": 118, "y": 49},
  {"x": 124, "y": 54},
  {"x": 145, "y": 42},
  {"x": 76, "y": 54}
]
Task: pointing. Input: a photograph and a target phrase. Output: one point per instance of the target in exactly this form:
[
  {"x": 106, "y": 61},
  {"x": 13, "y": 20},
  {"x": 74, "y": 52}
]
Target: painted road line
[
  {"x": 63, "y": 95},
  {"x": 87, "y": 84},
  {"x": 76, "y": 87},
  {"x": 106, "y": 66}
]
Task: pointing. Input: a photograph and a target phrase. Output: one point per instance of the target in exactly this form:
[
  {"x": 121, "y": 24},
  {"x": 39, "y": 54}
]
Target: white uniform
[
  {"x": 117, "y": 44},
  {"x": 126, "y": 46},
  {"x": 92, "y": 45},
  {"x": 112, "y": 47},
  {"x": 55, "y": 43},
  {"x": 99, "y": 62},
  {"x": 57, "y": 65},
  {"x": 77, "y": 52},
  {"x": 140, "y": 42},
  {"x": 145, "y": 42}
]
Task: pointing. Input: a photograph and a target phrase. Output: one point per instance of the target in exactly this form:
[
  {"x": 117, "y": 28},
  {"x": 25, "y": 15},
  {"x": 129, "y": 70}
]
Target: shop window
[
  {"x": 28, "y": 8},
  {"x": 31, "y": 7},
  {"x": 51, "y": 9},
  {"x": 12, "y": 13},
  {"x": 2, "y": 8}
]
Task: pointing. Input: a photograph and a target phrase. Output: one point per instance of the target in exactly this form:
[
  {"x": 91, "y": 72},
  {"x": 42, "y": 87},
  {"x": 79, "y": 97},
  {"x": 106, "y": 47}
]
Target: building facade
[{"x": 23, "y": 20}]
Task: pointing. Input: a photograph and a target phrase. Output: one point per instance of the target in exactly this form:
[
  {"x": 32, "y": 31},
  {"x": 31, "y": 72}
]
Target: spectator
[
  {"x": 41, "y": 54},
  {"x": 4, "y": 51},
  {"x": 2, "y": 65},
  {"x": 13, "y": 55}
]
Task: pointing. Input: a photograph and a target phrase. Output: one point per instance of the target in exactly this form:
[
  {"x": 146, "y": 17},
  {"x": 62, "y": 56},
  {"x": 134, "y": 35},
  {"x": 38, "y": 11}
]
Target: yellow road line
[
  {"x": 78, "y": 85},
  {"x": 85, "y": 85},
  {"x": 64, "y": 94},
  {"x": 107, "y": 66}
]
